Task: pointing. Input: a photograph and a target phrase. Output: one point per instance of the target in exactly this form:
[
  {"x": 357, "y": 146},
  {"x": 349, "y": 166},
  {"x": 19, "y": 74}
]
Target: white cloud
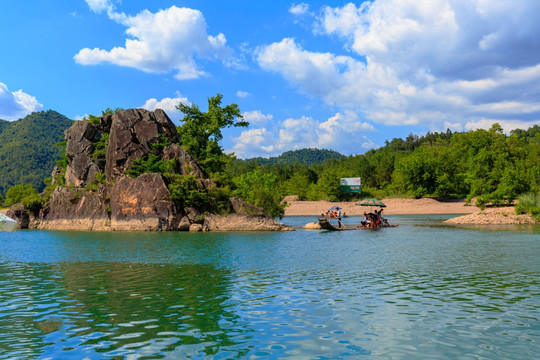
[
  {"x": 168, "y": 105},
  {"x": 314, "y": 73},
  {"x": 242, "y": 94},
  {"x": 169, "y": 40},
  {"x": 299, "y": 9},
  {"x": 17, "y": 104},
  {"x": 256, "y": 117},
  {"x": 433, "y": 64},
  {"x": 99, "y": 6},
  {"x": 507, "y": 125},
  {"x": 342, "y": 132}
]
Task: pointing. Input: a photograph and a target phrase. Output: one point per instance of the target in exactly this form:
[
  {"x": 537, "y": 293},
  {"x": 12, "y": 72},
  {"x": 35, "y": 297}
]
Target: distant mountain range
[
  {"x": 303, "y": 156},
  {"x": 28, "y": 151}
]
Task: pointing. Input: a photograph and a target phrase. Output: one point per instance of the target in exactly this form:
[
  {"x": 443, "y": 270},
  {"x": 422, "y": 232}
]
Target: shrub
[
  {"x": 33, "y": 203},
  {"x": 17, "y": 193},
  {"x": 529, "y": 203}
]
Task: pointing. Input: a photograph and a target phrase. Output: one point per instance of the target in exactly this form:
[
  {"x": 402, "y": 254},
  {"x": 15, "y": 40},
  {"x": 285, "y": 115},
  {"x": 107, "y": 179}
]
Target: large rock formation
[
  {"x": 132, "y": 134},
  {"x": 80, "y": 145},
  {"x": 98, "y": 195},
  {"x": 142, "y": 204}
]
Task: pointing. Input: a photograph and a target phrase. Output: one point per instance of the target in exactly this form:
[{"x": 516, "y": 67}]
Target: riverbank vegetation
[{"x": 486, "y": 167}]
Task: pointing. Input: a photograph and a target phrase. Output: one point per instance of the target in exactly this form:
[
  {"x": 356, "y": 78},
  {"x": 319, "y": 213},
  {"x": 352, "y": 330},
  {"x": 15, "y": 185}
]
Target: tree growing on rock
[{"x": 201, "y": 132}]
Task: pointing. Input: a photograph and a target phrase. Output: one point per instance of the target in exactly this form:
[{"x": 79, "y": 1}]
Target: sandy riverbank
[
  {"x": 493, "y": 216},
  {"x": 393, "y": 207}
]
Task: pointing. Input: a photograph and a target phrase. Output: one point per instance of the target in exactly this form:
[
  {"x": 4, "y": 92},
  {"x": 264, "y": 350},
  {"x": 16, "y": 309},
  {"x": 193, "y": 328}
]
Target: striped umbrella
[{"x": 371, "y": 202}]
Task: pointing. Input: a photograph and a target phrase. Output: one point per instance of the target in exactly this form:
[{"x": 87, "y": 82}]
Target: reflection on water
[{"x": 417, "y": 290}]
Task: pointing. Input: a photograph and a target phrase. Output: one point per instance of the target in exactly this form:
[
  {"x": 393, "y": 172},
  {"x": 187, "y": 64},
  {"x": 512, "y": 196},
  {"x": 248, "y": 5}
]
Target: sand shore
[
  {"x": 393, "y": 207},
  {"x": 470, "y": 214}
]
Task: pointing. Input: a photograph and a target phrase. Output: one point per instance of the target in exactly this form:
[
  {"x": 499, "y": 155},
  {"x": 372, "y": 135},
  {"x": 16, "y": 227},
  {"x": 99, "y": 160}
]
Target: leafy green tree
[
  {"x": 259, "y": 189},
  {"x": 17, "y": 193},
  {"x": 201, "y": 132},
  {"x": 299, "y": 185},
  {"x": 33, "y": 203},
  {"x": 329, "y": 184}
]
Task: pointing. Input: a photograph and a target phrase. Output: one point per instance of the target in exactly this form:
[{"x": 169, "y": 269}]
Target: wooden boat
[
  {"x": 377, "y": 227},
  {"x": 325, "y": 224}
]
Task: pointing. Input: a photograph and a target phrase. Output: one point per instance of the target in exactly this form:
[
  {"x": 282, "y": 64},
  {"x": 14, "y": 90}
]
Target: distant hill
[
  {"x": 303, "y": 156},
  {"x": 27, "y": 148}
]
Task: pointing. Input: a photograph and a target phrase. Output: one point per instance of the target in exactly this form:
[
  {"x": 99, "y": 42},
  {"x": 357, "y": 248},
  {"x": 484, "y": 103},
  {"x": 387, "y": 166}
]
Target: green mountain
[
  {"x": 27, "y": 148},
  {"x": 303, "y": 156}
]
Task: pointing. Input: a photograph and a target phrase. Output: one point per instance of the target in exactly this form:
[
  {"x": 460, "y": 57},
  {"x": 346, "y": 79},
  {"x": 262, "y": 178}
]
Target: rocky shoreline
[{"x": 493, "y": 216}]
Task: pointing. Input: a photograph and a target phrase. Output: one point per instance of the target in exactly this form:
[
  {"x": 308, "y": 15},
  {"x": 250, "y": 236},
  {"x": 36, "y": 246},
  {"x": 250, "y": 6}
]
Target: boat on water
[
  {"x": 7, "y": 224},
  {"x": 326, "y": 224},
  {"x": 372, "y": 221}
]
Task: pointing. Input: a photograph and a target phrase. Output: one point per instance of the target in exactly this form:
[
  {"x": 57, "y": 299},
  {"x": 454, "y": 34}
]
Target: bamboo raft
[{"x": 325, "y": 224}]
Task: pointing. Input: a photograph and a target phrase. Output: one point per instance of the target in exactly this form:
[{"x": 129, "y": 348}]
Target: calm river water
[{"x": 421, "y": 290}]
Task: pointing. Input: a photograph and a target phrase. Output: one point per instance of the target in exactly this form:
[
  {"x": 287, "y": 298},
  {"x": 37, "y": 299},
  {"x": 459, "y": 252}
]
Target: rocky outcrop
[
  {"x": 132, "y": 134},
  {"x": 142, "y": 204},
  {"x": 493, "y": 216},
  {"x": 239, "y": 206},
  {"x": 312, "y": 226},
  {"x": 20, "y": 215},
  {"x": 187, "y": 165},
  {"x": 99, "y": 196},
  {"x": 81, "y": 137},
  {"x": 241, "y": 222},
  {"x": 76, "y": 209},
  {"x": 246, "y": 217}
]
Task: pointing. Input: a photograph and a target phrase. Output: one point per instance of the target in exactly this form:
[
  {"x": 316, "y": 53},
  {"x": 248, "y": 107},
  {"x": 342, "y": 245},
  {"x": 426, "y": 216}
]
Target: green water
[{"x": 421, "y": 290}]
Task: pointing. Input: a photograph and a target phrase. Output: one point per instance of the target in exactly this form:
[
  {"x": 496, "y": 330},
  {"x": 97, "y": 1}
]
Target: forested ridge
[
  {"x": 28, "y": 151},
  {"x": 307, "y": 157},
  {"x": 487, "y": 165}
]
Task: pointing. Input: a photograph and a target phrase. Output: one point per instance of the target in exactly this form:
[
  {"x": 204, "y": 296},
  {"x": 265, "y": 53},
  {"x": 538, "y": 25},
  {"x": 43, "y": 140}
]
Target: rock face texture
[
  {"x": 98, "y": 195},
  {"x": 241, "y": 222},
  {"x": 132, "y": 134},
  {"x": 142, "y": 204},
  {"x": 20, "y": 215},
  {"x": 80, "y": 145}
]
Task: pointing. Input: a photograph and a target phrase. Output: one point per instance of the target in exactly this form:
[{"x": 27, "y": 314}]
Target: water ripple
[{"x": 356, "y": 295}]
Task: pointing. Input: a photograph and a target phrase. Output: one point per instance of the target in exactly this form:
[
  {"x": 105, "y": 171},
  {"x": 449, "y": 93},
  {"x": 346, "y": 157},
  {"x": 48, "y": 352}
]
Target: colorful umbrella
[
  {"x": 371, "y": 202},
  {"x": 335, "y": 208}
]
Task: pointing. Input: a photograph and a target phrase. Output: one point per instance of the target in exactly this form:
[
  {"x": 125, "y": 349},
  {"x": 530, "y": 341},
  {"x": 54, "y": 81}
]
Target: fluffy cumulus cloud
[
  {"x": 435, "y": 64},
  {"x": 303, "y": 132},
  {"x": 257, "y": 118},
  {"x": 169, "y": 40},
  {"x": 15, "y": 105},
  {"x": 168, "y": 105}
]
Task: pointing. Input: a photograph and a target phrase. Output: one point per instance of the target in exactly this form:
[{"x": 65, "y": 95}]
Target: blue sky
[{"x": 337, "y": 75}]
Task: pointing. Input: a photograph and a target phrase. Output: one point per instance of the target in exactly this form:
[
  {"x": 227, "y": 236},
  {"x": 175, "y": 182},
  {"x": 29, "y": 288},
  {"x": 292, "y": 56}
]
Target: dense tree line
[
  {"x": 302, "y": 156},
  {"x": 486, "y": 165}
]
